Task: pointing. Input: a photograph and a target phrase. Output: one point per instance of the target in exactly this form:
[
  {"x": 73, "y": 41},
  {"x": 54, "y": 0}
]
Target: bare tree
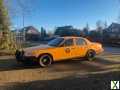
[
  {"x": 105, "y": 25},
  {"x": 17, "y": 7},
  {"x": 20, "y": 10},
  {"x": 118, "y": 19},
  {"x": 86, "y": 29}
]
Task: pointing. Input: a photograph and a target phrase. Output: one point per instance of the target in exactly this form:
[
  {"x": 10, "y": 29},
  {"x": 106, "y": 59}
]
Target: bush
[{"x": 7, "y": 52}]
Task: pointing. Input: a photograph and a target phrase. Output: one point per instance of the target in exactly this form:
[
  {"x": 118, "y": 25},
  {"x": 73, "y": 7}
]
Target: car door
[
  {"x": 68, "y": 48},
  {"x": 81, "y": 46}
]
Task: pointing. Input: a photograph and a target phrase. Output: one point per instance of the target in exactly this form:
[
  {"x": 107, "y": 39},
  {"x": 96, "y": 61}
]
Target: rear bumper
[{"x": 99, "y": 51}]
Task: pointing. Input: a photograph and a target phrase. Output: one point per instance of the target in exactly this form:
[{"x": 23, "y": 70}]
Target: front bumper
[{"x": 20, "y": 57}]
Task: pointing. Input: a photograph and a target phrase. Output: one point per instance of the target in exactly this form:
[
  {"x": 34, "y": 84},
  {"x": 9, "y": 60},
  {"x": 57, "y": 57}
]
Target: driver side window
[{"x": 68, "y": 42}]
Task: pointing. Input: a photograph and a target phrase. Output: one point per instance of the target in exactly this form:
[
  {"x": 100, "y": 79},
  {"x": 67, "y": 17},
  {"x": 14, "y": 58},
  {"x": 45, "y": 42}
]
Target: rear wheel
[
  {"x": 90, "y": 55},
  {"x": 45, "y": 60}
]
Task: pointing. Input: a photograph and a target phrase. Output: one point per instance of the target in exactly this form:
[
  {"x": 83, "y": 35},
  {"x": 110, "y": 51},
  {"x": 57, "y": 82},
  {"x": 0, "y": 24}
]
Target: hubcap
[
  {"x": 91, "y": 55},
  {"x": 45, "y": 60}
]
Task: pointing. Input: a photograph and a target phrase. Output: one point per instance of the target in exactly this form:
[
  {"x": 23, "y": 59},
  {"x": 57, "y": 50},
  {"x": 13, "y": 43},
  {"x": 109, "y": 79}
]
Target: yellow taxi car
[{"x": 60, "y": 48}]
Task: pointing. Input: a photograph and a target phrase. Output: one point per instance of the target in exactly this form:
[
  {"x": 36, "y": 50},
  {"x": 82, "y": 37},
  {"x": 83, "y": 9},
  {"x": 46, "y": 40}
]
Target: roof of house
[
  {"x": 28, "y": 29},
  {"x": 114, "y": 25},
  {"x": 33, "y": 29}
]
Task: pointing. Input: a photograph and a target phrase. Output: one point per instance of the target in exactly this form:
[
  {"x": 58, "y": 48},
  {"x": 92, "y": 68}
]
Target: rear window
[{"x": 80, "y": 41}]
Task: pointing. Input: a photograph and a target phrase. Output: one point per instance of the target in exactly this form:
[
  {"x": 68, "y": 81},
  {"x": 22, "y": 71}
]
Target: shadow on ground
[
  {"x": 91, "y": 82},
  {"x": 68, "y": 65}
]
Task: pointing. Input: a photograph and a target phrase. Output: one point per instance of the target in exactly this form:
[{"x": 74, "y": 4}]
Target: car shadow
[
  {"x": 66, "y": 65},
  {"x": 8, "y": 65}
]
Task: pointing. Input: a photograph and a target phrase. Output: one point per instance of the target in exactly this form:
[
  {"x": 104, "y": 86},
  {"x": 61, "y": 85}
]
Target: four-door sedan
[{"x": 61, "y": 48}]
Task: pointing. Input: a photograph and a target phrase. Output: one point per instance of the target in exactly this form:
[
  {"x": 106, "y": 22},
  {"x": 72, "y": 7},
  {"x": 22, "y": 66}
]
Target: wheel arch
[
  {"x": 91, "y": 50},
  {"x": 46, "y": 54}
]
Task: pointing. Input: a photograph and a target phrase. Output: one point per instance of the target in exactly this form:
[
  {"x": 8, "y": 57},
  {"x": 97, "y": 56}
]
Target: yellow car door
[
  {"x": 70, "y": 48},
  {"x": 66, "y": 50},
  {"x": 81, "y": 46}
]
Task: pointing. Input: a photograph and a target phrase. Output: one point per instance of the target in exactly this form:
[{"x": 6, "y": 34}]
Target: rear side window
[
  {"x": 80, "y": 41},
  {"x": 68, "y": 42}
]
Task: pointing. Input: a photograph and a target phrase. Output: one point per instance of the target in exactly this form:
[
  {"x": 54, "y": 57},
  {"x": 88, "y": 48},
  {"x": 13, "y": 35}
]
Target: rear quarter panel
[{"x": 96, "y": 47}]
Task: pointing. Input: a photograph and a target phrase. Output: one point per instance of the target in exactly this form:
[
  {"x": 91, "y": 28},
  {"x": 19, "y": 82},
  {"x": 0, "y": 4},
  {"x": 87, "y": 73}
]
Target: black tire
[
  {"x": 45, "y": 60},
  {"x": 17, "y": 54},
  {"x": 90, "y": 55}
]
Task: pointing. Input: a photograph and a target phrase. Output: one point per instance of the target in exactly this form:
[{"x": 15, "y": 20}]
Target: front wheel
[
  {"x": 90, "y": 55},
  {"x": 45, "y": 60}
]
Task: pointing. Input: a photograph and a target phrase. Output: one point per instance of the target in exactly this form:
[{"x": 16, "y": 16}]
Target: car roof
[{"x": 67, "y": 37}]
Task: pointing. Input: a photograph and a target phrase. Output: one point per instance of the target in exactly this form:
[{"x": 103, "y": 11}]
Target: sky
[{"x": 52, "y": 13}]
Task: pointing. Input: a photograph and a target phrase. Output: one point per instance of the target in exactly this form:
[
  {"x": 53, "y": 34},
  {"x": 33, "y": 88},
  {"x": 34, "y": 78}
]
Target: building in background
[
  {"x": 112, "y": 33},
  {"x": 31, "y": 34}
]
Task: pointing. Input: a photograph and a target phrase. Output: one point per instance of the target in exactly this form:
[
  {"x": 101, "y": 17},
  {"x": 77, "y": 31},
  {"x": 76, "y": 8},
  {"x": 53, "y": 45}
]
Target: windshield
[{"x": 55, "y": 42}]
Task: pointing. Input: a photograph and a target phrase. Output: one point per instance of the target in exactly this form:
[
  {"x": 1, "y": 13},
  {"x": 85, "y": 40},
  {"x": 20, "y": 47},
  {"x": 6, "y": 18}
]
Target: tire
[
  {"x": 45, "y": 60},
  {"x": 17, "y": 55},
  {"x": 90, "y": 55}
]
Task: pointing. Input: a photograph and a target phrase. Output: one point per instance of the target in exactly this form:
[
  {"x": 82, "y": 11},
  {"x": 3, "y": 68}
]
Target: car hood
[{"x": 37, "y": 47}]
